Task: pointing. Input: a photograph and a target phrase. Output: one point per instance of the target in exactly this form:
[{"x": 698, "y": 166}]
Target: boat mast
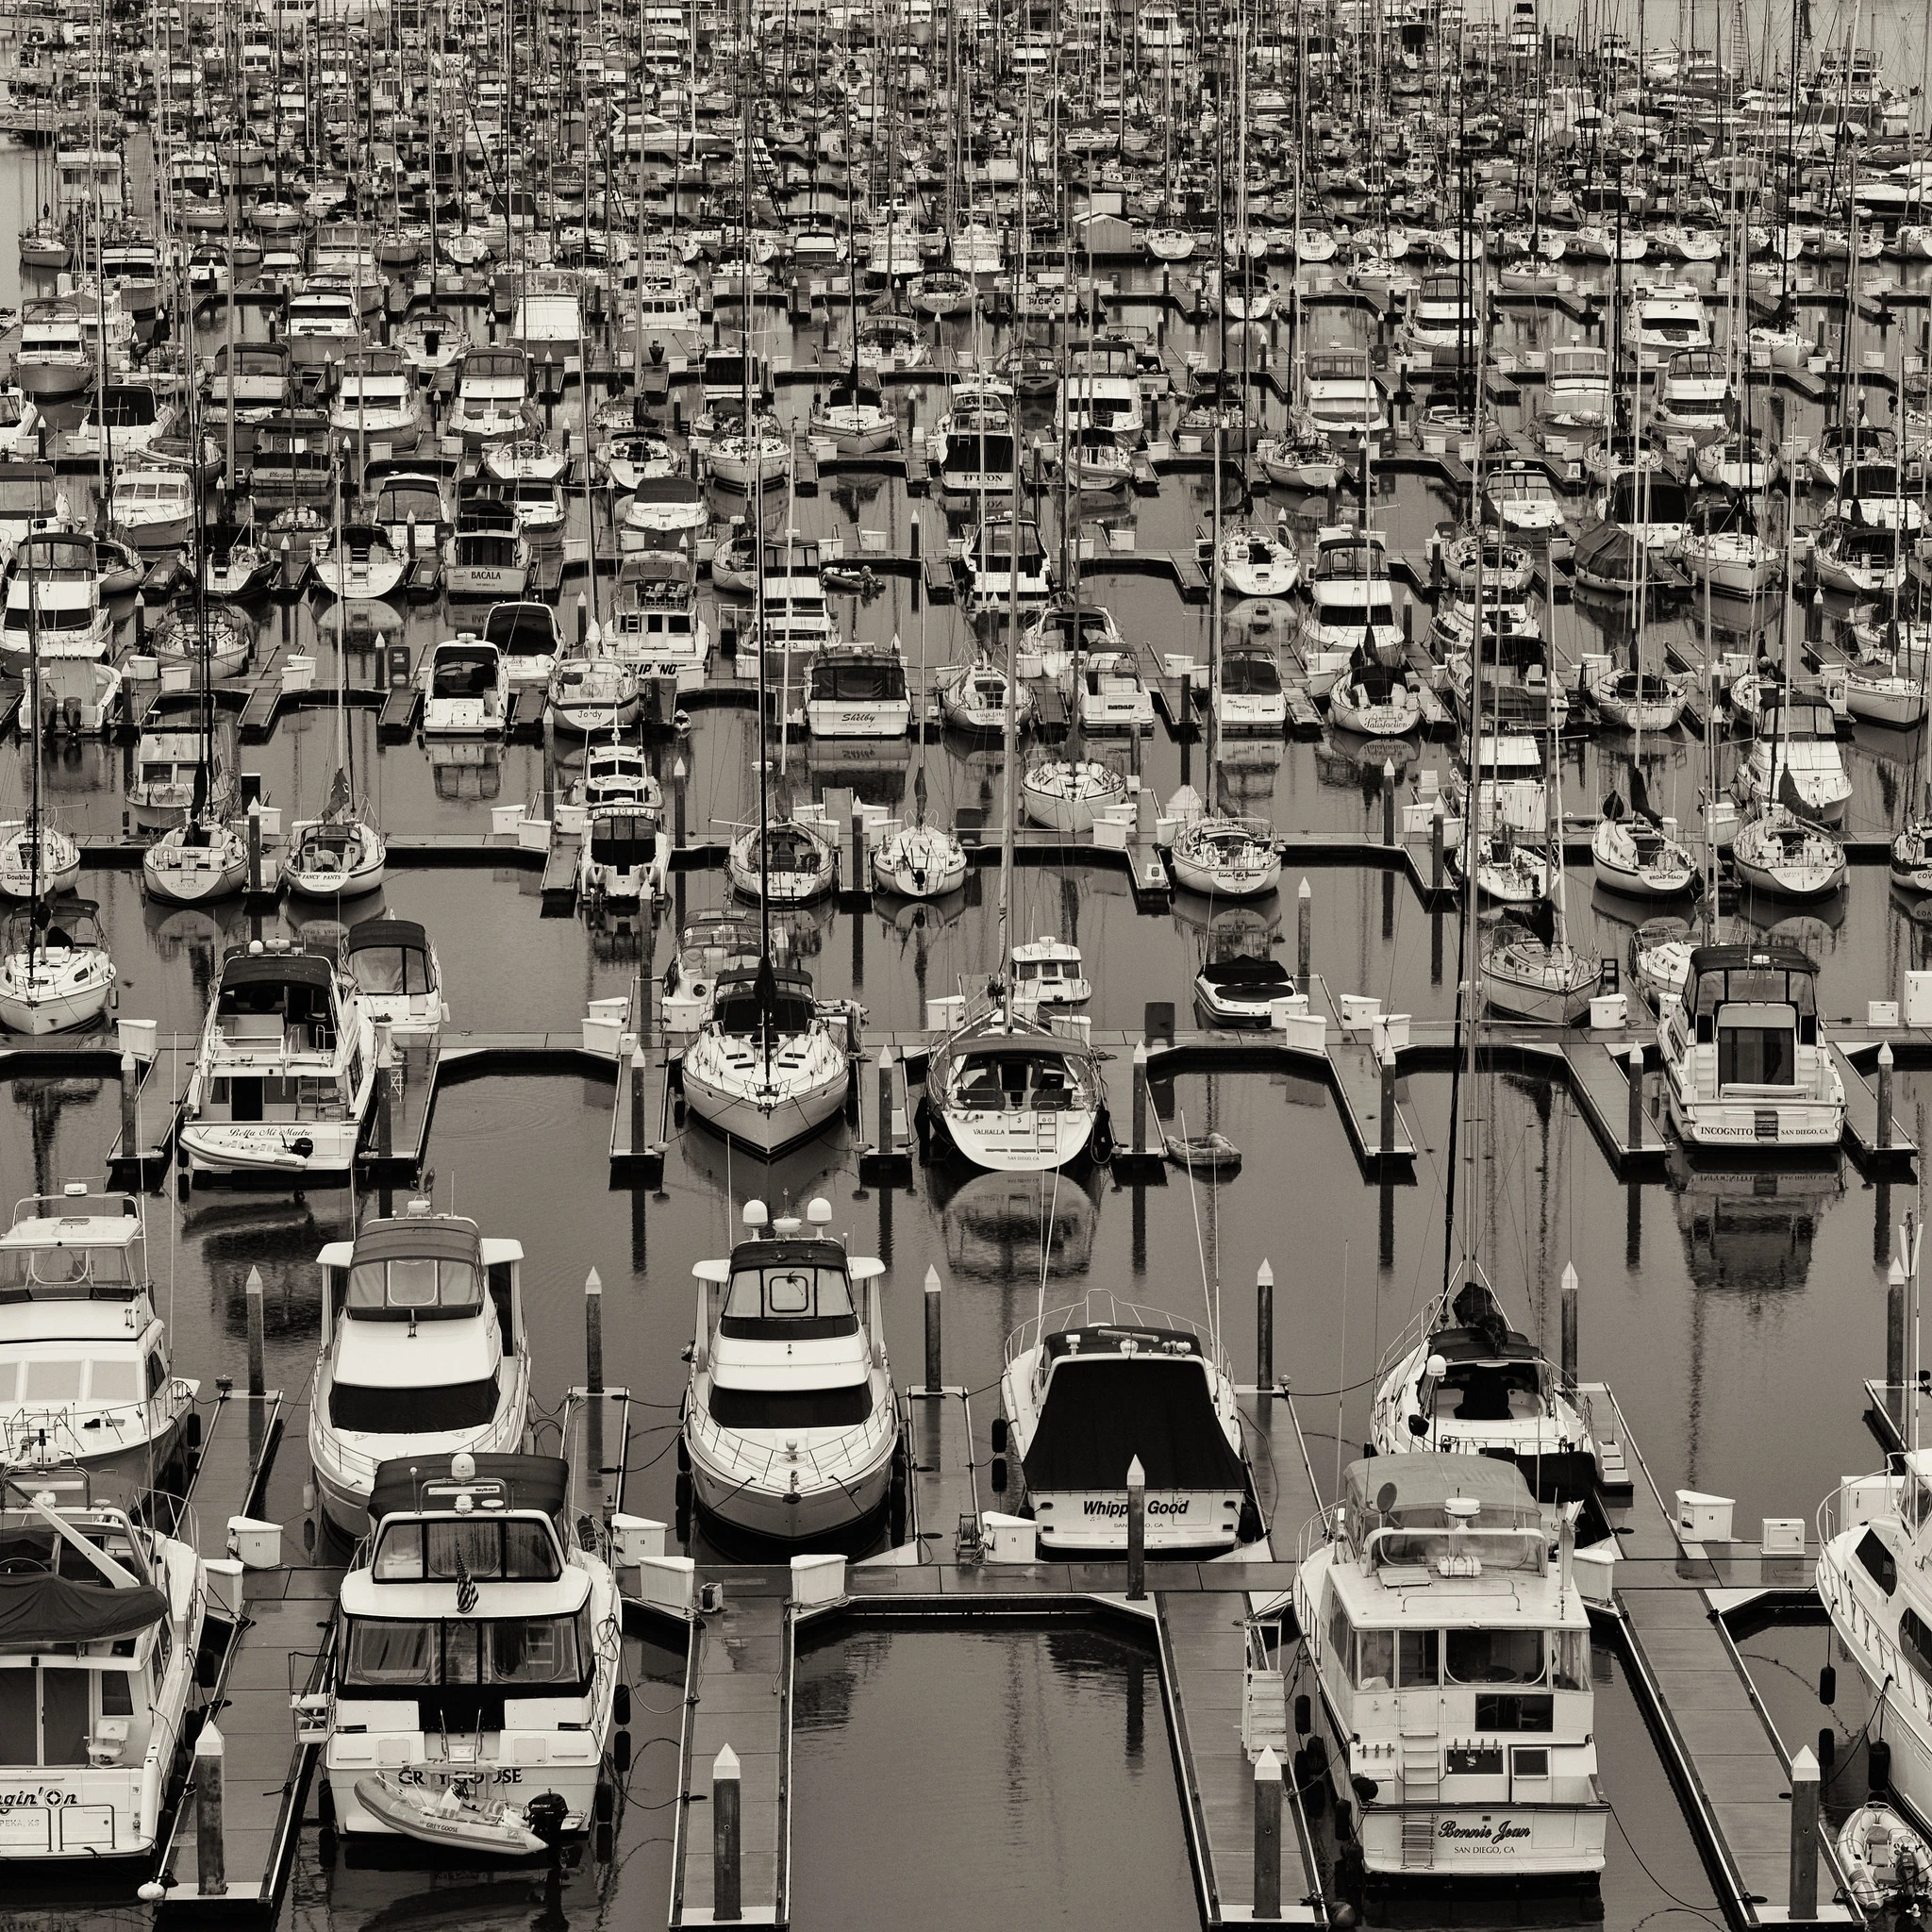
[{"x": 1010, "y": 733}]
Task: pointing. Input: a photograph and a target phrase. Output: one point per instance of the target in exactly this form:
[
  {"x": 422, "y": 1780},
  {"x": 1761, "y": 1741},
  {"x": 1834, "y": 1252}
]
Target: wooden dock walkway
[
  {"x": 1862, "y": 1120},
  {"x": 272, "y": 1651},
  {"x": 1206, "y": 1647},
  {"x": 738, "y": 1691},
  {"x": 1712, "y": 1727}
]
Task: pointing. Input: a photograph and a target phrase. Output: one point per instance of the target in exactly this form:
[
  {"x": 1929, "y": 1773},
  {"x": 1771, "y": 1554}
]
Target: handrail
[
  {"x": 744, "y": 1453},
  {"x": 1029, "y": 1332}
]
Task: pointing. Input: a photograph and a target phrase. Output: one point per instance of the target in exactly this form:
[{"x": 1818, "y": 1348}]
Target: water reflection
[
  {"x": 1749, "y": 1228},
  {"x": 1006, "y": 1227}
]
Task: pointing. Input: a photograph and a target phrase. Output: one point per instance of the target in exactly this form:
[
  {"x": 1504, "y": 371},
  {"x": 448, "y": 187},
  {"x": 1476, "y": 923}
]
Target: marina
[{"x": 964, "y": 963}]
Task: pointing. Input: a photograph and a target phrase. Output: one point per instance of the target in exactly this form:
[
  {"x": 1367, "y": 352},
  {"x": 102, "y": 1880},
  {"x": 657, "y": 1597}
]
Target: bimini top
[
  {"x": 410, "y": 1485},
  {"x": 243, "y": 967},
  {"x": 1776, "y": 972},
  {"x": 368, "y": 933},
  {"x": 419, "y": 1267},
  {"x": 1413, "y": 1492},
  {"x": 43, "y": 1612}
]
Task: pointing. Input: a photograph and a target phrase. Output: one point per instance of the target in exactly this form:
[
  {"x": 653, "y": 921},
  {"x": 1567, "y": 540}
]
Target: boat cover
[
  {"x": 1103, "y": 1411},
  {"x": 38, "y": 1611},
  {"x": 535, "y": 1482}
]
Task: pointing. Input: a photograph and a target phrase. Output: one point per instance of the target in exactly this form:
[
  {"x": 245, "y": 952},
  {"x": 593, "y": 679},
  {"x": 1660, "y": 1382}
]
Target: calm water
[{"x": 1023, "y": 1776}]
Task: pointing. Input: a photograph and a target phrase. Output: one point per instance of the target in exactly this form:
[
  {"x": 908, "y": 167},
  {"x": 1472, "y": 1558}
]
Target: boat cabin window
[
  {"x": 362, "y": 1408},
  {"x": 797, "y": 1299},
  {"x": 1915, "y": 1642},
  {"x": 792, "y": 1409},
  {"x": 1494, "y": 1657},
  {"x": 1880, "y": 1564},
  {"x": 409, "y": 1653},
  {"x": 35, "y": 1379},
  {"x": 736, "y": 1010},
  {"x": 500, "y": 1549},
  {"x": 1727, "y": 994},
  {"x": 415, "y": 1285},
  {"x": 629, "y": 842},
  {"x": 860, "y": 681},
  {"x": 1249, "y": 675}
]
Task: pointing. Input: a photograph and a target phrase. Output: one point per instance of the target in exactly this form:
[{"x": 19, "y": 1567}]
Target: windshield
[
  {"x": 394, "y": 1653},
  {"x": 368, "y": 1410},
  {"x": 415, "y": 1282}
]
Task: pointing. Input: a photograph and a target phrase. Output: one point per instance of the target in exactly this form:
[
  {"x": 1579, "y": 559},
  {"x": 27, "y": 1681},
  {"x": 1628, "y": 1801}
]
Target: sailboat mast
[{"x": 1010, "y": 733}]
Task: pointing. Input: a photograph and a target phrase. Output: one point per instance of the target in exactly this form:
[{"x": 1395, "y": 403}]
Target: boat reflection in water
[
  {"x": 999, "y": 1226},
  {"x": 1750, "y": 1228}
]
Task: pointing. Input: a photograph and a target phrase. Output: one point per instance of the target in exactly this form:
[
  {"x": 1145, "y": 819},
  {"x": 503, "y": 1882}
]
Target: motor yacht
[
  {"x": 1085, "y": 1393},
  {"x": 1745, "y": 1061},
  {"x": 476, "y": 1671},
  {"x": 284, "y": 1071},
  {"x": 790, "y": 1426},
  {"x": 425, "y": 1351},
  {"x": 1452, "y": 1660},
  {"x": 84, "y": 1374},
  {"x": 97, "y": 1670}
]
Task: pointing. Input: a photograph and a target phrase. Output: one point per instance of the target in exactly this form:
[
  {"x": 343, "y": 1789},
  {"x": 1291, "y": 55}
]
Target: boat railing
[
  {"x": 827, "y": 1461},
  {"x": 1100, "y": 1307},
  {"x": 35, "y": 1435},
  {"x": 1861, "y": 1499}
]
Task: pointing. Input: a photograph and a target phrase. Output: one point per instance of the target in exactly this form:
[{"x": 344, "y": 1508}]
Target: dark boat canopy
[
  {"x": 387, "y": 932},
  {"x": 39, "y": 1612},
  {"x": 1105, "y": 1407},
  {"x": 245, "y": 967},
  {"x": 406, "y": 1485}
]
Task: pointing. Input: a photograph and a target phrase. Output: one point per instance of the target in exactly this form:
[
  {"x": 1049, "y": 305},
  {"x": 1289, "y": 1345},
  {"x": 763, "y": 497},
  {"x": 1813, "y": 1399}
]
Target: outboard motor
[{"x": 544, "y": 1815}]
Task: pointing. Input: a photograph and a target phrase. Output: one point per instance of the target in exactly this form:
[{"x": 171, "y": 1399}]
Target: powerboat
[
  {"x": 790, "y": 1424},
  {"x": 1745, "y": 1061},
  {"x": 393, "y": 964},
  {"x": 425, "y": 1351},
  {"x": 97, "y": 1669},
  {"x": 1451, "y": 1651},
  {"x": 1085, "y": 1393},
  {"x": 83, "y": 1375},
  {"x": 476, "y": 1671},
  {"x": 56, "y": 973},
  {"x": 284, "y": 1071}
]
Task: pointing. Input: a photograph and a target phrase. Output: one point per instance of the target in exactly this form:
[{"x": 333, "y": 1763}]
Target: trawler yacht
[
  {"x": 1088, "y": 1390},
  {"x": 476, "y": 1671},
  {"x": 83, "y": 1354},
  {"x": 425, "y": 1351},
  {"x": 1873, "y": 1539},
  {"x": 286, "y": 1069},
  {"x": 790, "y": 1426},
  {"x": 1745, "y": 1062},
  {"x": 1452, "y": 1660},
  {"x": 97, "y": 1662}
]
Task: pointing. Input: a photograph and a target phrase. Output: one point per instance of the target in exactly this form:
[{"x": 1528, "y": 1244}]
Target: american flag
[{"x": 466, "y": 1587}]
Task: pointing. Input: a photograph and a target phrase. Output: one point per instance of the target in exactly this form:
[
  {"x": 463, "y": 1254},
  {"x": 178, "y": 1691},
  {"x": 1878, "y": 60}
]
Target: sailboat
[
  {"x": 342, "y": 854},
  {"x": 1068, "y": 793},
  {"x": 764, "y": 1067},
  {"x": 55, "y": 970},
  {"x": 1003, "y": 1090},
  {"x": 921, "y": 861}
]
